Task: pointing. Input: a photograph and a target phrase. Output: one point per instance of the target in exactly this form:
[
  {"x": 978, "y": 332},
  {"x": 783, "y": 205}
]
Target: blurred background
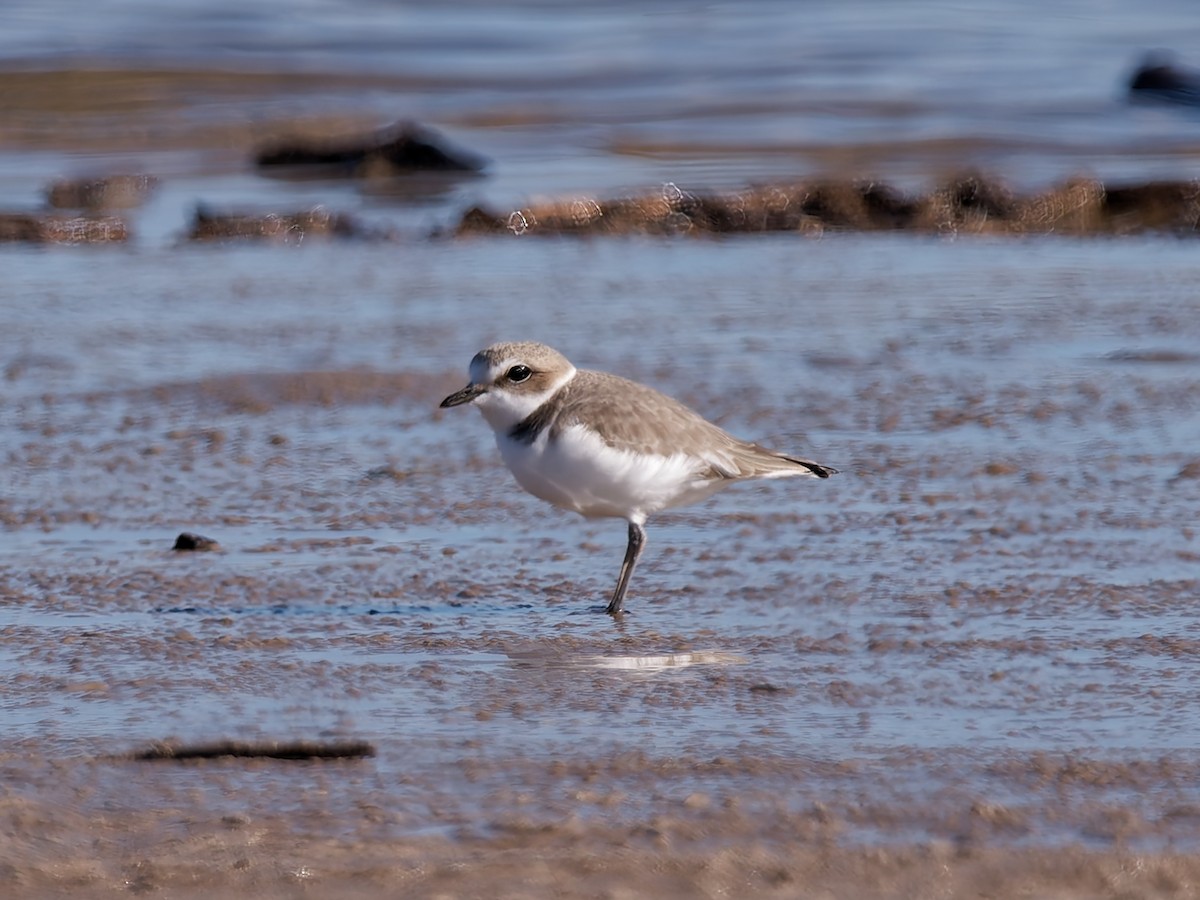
[{"x": 603, "y": 97}]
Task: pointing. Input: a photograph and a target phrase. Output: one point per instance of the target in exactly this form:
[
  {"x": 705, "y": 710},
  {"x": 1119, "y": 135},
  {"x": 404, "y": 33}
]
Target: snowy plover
[{"x": 602, "y": 445}]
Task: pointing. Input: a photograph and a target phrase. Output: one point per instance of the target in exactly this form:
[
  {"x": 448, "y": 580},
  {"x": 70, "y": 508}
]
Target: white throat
[{"x": 506, "y": 406}]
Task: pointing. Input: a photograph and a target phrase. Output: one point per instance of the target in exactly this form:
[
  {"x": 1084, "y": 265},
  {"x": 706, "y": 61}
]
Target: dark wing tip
[{"x": 815, "y": 468}]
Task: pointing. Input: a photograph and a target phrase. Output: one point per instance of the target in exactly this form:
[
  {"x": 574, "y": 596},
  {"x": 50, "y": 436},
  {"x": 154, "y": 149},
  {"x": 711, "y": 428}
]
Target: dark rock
[
  {"x": 189, "y": 541},
  {"x": 397, "y": 150},
  {"x": 1159, "y": 77}
]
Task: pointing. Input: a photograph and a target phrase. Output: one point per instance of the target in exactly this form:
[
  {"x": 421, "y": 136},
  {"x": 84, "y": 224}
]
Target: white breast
[{"x": 578, "y": 471}]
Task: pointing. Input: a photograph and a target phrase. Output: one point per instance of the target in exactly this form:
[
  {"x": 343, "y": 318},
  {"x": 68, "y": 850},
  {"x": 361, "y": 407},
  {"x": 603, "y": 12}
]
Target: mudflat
[{"x": 962, "y": 666}]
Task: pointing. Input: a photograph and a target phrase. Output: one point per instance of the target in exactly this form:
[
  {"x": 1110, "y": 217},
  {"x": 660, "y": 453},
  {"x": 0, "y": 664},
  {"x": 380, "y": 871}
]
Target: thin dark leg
[{"x": 633, "y": 552}]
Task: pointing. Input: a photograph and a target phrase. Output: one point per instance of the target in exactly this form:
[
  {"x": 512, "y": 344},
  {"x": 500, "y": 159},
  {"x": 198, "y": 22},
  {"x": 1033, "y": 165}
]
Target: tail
[{"x": 755, "y": 461}]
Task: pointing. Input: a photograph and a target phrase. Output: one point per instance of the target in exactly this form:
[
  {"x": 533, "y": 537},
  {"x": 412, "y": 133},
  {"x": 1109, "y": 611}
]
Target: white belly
[{"x": 579, "y": 472}]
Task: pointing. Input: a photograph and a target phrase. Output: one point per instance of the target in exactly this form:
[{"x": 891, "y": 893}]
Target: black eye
[{"x": 517, "y": 374}]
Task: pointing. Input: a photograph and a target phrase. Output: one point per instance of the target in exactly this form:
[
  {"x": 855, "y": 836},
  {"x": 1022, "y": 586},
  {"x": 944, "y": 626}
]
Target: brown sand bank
[{"x": 971, "y": 205}]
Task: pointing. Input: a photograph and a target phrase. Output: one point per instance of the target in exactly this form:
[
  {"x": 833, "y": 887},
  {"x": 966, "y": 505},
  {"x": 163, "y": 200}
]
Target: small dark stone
[
  {"x": 189, "y": 541},
  {"x": 765, "y": 687}
]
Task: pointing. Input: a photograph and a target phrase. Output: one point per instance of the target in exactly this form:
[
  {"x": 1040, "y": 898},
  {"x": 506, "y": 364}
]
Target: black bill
[{"x": 466, "y": 395}]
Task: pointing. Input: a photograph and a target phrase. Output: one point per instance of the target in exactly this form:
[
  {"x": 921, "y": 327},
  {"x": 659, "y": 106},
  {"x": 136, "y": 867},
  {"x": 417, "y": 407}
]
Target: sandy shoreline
[
  {"x": 179, "y": 851},
  {"x": 226, "y": 828}
]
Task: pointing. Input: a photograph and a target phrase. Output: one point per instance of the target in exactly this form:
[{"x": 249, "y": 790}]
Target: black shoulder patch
[{"x": 527, "y": 430}]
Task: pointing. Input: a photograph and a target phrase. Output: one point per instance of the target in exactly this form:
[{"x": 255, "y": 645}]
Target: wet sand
[
  {"x": 687, "y": 854},
  {"x": 962, "y": 666}
]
